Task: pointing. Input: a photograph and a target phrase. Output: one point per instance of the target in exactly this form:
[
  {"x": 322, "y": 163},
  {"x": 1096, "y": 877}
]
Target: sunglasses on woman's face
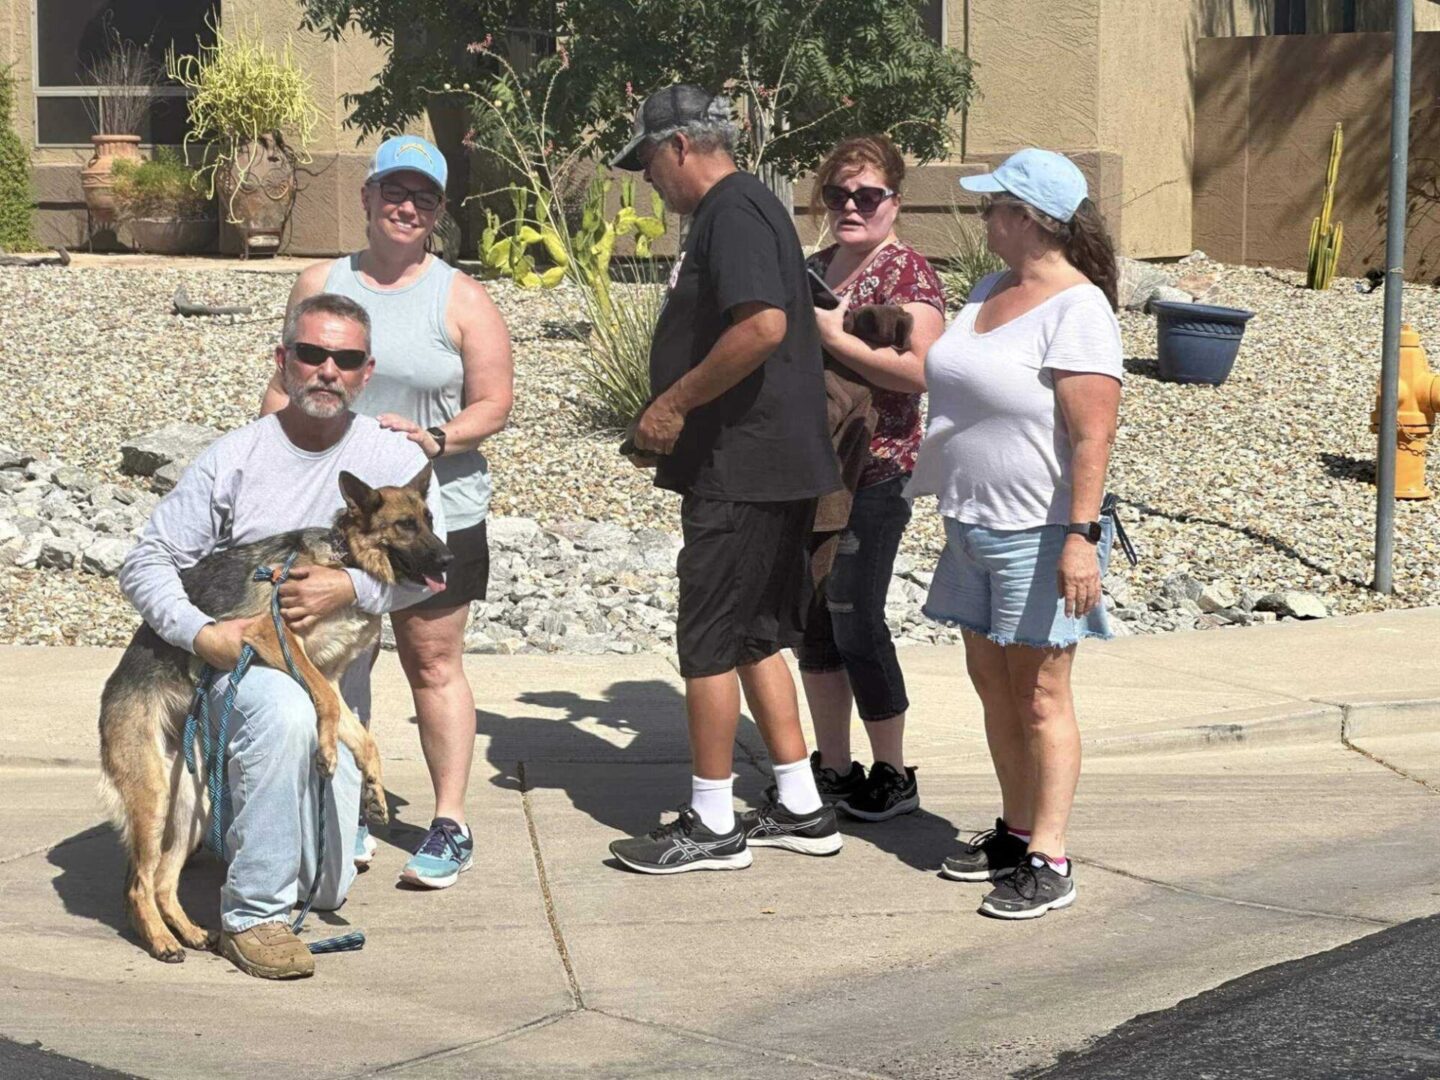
[
  {"x": 426, "y": 199},
  {"x": 312, "y": 355},
  {"x": 866, "y": 199}
]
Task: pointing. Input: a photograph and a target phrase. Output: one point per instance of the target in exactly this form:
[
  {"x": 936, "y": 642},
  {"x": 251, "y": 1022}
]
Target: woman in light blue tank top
[{"x": 443, "y": 375}]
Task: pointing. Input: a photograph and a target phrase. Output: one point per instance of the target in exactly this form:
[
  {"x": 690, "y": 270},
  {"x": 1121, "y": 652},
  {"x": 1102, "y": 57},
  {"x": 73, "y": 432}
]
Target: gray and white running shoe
[
  {"x": 681, "y": 845},
  {"x": 773, "y": 825}
]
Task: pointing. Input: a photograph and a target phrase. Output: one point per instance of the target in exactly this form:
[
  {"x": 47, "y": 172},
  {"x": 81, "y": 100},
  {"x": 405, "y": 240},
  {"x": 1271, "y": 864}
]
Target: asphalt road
[
  {"x": 1369, "y": 1010},
  {"x": 19, "y": 1061}
]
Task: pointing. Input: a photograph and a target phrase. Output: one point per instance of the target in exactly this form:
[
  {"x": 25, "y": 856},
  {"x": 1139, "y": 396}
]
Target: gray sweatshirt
[{"x": 251, "y": 484}]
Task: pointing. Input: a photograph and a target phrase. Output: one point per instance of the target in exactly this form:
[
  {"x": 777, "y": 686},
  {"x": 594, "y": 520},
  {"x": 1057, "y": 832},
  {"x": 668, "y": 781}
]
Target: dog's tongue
[{"x": 435, "y": 585}]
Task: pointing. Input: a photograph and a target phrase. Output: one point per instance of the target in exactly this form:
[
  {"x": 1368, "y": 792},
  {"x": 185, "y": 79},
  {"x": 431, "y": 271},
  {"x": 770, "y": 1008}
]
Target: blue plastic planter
[{"x": 1197, "y": 343}]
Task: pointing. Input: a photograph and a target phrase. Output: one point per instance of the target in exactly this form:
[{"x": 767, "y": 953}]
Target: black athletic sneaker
[
  {"x": 886, "y": 794},
  {"x": 1031, "y": 889},
  {"x": 831, "y": 784},
  {"x": 681, "y": 845},
  {"x": 774, "y": 826},
  {"x": 989, "y": 854}
]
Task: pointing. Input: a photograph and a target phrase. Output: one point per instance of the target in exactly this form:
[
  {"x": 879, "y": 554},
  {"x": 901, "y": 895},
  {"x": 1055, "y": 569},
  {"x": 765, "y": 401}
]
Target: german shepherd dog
[{"x": 162, "y": 810}]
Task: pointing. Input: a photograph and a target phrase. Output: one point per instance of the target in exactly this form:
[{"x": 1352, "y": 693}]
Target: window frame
[{"x": 37, "y": 91}]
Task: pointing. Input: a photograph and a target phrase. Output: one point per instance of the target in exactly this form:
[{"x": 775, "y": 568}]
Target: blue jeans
[
  {"x": 274, "y": 790},
  {"x": 848, "y": 629},
  {"x": 1002, "y": 583}
]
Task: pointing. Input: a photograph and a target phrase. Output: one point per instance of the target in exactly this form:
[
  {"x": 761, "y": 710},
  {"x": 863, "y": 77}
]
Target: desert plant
[
  {"x": 1325, "y": 238},
  {"x": 967, "y": 258},
  {"x": 240, "y": 89},
  {"x": 616, "y": 371},
  {"x": 125, "y": 77},
  {"x": 163, "y": 187},
  {"x": 17, "y": 198}
]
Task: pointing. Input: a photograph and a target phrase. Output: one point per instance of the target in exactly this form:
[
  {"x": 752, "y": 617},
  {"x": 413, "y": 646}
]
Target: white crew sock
[
  {"x": 796, "y": 785},
  {"x": 714, "y": 801}
]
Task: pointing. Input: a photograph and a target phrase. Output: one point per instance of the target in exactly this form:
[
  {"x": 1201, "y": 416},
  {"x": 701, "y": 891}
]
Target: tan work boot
[{"x": 268, "y": 951}]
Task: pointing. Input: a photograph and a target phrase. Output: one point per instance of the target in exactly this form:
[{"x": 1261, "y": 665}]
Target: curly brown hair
[{"x": 850, "y": 156}]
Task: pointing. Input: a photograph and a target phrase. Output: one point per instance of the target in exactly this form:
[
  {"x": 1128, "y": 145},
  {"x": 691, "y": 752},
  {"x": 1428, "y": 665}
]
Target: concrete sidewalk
[{"x": 1249, "y": 796}]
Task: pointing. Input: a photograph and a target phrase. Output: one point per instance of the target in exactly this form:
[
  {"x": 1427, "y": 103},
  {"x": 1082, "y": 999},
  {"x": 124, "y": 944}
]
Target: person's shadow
[{"x": 647, "y": 718}]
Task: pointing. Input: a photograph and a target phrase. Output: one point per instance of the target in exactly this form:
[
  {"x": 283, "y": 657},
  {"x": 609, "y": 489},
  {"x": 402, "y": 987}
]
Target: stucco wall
[{"x": 1265, "y": 109}]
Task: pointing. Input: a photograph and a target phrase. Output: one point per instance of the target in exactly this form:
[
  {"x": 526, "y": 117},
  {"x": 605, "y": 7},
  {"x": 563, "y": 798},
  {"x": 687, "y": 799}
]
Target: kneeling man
[{"x": 271, "y": 476}]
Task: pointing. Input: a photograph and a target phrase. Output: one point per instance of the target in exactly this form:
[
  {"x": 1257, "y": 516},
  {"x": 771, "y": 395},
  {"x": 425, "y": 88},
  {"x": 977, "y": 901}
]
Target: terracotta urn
[
  {"x": 257, "y": 192},
  {"x": 95, "y": 176}
]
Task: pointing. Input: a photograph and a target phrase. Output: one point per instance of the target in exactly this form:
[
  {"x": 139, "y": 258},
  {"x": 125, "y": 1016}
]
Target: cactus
[
  {"x": 1325, "y": 238},
  {"x": 583, "y": 254}
]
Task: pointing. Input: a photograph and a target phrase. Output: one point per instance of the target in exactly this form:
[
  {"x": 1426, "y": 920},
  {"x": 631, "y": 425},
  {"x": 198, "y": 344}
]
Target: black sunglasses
[
  {"x": 426, "y": 199},
  {"x": 867, "y": 199},
  {"x": 313, "y": 355}
]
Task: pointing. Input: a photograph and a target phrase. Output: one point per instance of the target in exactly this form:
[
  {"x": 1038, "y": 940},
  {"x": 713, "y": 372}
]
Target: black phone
[{"x": 821, "y": 294}]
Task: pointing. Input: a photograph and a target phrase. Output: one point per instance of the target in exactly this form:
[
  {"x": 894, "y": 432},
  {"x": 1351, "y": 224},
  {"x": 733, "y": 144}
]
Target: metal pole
[{"x": 1394, "y": 285}]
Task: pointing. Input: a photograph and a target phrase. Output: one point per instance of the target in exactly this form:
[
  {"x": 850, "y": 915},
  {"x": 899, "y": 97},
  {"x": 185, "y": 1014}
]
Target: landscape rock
[
  {"x": 1293, "y": 603},
  {"x": 1216, "y": 596},
  {"x": 105, "y": 557},
  {"x": 1138, "y": 281},
  {"x": 59, "y": 553},
  {"x": 1170, "y": 294},
  {"x": 179, "y": 443}
]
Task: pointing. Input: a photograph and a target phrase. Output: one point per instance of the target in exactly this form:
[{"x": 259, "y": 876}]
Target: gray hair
[
  {"x": 325, "y": 304},
  {"x": 715, "y": 131}
]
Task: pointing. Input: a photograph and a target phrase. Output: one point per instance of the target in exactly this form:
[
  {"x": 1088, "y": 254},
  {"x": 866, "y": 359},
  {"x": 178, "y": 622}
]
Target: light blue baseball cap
[
  {"x": 412, "y": 153},
  {"x": 1048, "y": 181}
]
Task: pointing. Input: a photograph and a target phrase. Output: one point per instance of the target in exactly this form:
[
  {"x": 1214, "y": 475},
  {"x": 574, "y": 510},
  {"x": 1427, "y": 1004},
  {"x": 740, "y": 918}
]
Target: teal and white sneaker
[
  {"x": 364, "y": 847},
  {"x": 442, "y": 856}
]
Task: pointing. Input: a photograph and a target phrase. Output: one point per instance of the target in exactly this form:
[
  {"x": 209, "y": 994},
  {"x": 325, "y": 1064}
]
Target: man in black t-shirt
[{"x": 738, "y": 423}]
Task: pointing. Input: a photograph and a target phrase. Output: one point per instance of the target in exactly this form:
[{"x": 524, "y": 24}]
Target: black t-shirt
[{"x": 767, "y": 438}]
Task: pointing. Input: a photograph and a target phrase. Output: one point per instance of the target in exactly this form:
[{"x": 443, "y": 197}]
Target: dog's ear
[
  {"x": 360, "y": 497},
  {"x": 420, "y": 482}
]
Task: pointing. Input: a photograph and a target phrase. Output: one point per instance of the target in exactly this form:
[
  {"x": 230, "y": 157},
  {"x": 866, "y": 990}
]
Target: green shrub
[
  {"x": 17, "y": 198},
  {"x": 163, "y": 187},
  {"x": 968, "y": 258},
  {"x": 616, "y": 370}
]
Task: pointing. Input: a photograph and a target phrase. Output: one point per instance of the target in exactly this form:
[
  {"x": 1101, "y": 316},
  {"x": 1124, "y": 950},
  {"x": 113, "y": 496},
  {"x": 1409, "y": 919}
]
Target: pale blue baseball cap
[
  {"x": 411, "y": 153},
  {"x": 1048, "y": 181}
]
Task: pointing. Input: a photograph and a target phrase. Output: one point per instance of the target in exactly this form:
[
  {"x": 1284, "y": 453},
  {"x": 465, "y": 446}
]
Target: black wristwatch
[
  {"x": 1090, "y": 530},
  {"x": 438, "y": 434}
]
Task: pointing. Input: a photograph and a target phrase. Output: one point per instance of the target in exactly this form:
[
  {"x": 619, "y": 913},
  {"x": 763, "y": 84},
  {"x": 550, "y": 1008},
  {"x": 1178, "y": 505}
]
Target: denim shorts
[{"x": 1002, "y": 583}]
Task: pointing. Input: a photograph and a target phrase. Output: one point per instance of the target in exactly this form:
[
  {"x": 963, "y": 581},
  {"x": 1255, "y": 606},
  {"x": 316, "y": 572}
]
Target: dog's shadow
[{"x": 91, "y": 882}]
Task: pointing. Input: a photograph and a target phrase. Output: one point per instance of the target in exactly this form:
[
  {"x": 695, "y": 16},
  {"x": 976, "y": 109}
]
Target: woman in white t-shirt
[{"x": 1024, "y": 394}]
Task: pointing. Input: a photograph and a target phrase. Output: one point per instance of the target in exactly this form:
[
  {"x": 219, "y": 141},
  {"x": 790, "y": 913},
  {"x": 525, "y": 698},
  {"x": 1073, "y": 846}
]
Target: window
[
  {"x": 932, "y": 15},
  {"x": 70, "y": 35}
]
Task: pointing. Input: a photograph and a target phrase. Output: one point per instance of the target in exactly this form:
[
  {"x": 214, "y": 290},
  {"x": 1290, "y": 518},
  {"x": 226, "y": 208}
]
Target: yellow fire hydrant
[{"x": 1419, "y": 401}]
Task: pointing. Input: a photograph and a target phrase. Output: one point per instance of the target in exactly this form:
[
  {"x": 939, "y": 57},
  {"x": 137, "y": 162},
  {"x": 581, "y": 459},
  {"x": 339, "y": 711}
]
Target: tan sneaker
[{"x": 268, "y": 951}]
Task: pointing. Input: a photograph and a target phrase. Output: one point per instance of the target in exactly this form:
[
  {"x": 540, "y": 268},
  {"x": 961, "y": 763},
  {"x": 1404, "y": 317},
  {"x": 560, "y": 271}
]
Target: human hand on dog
[
  {"x": 219, "y": 643},
  {"x": 412, "y": 431},
  {"x": 313, "y": 592},
  {"x": 831, "y": 323},
  {"x": 659, "y": 426}
]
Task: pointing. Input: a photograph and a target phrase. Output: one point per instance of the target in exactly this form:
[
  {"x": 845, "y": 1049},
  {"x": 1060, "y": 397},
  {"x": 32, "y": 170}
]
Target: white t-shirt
[{"x": 996, "y": 450}]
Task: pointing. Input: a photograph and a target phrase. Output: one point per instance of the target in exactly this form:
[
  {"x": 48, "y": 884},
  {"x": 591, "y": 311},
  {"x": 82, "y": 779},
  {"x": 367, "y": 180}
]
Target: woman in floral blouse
[{"x": 848, "y": 655}]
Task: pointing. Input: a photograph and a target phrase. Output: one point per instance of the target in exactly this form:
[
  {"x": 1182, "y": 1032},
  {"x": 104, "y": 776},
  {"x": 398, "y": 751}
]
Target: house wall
[
  {"x": 1265, "y": 110},
  {"x": 326, "y": 218}
]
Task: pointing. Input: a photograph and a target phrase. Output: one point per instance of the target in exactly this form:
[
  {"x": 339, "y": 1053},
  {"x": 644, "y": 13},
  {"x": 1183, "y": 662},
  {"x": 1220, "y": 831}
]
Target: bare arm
[
  {"x": 755, "y": 331},
  {"x": 886, "y": 368},
  {"x": 1090, "y": 404},
  {"x": 488, "y": 393},
  {"x": 310, "y": 282}
]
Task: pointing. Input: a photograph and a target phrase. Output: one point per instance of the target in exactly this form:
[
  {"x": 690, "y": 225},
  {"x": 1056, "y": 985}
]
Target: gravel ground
[{"x": 1262, "y": 483}]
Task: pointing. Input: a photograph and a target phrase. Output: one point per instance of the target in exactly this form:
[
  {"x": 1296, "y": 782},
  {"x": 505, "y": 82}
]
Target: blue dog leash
[{"x": 216, "y": 750}]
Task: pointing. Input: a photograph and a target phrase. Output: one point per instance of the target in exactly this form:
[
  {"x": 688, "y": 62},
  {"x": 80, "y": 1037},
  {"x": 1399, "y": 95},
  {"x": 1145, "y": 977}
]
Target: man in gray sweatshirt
[{"x": 271, "y": 476}]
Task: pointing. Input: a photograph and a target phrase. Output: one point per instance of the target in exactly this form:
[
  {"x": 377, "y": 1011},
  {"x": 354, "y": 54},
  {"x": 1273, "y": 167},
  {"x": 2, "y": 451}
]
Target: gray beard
[{"x": 298, "y": 392}]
